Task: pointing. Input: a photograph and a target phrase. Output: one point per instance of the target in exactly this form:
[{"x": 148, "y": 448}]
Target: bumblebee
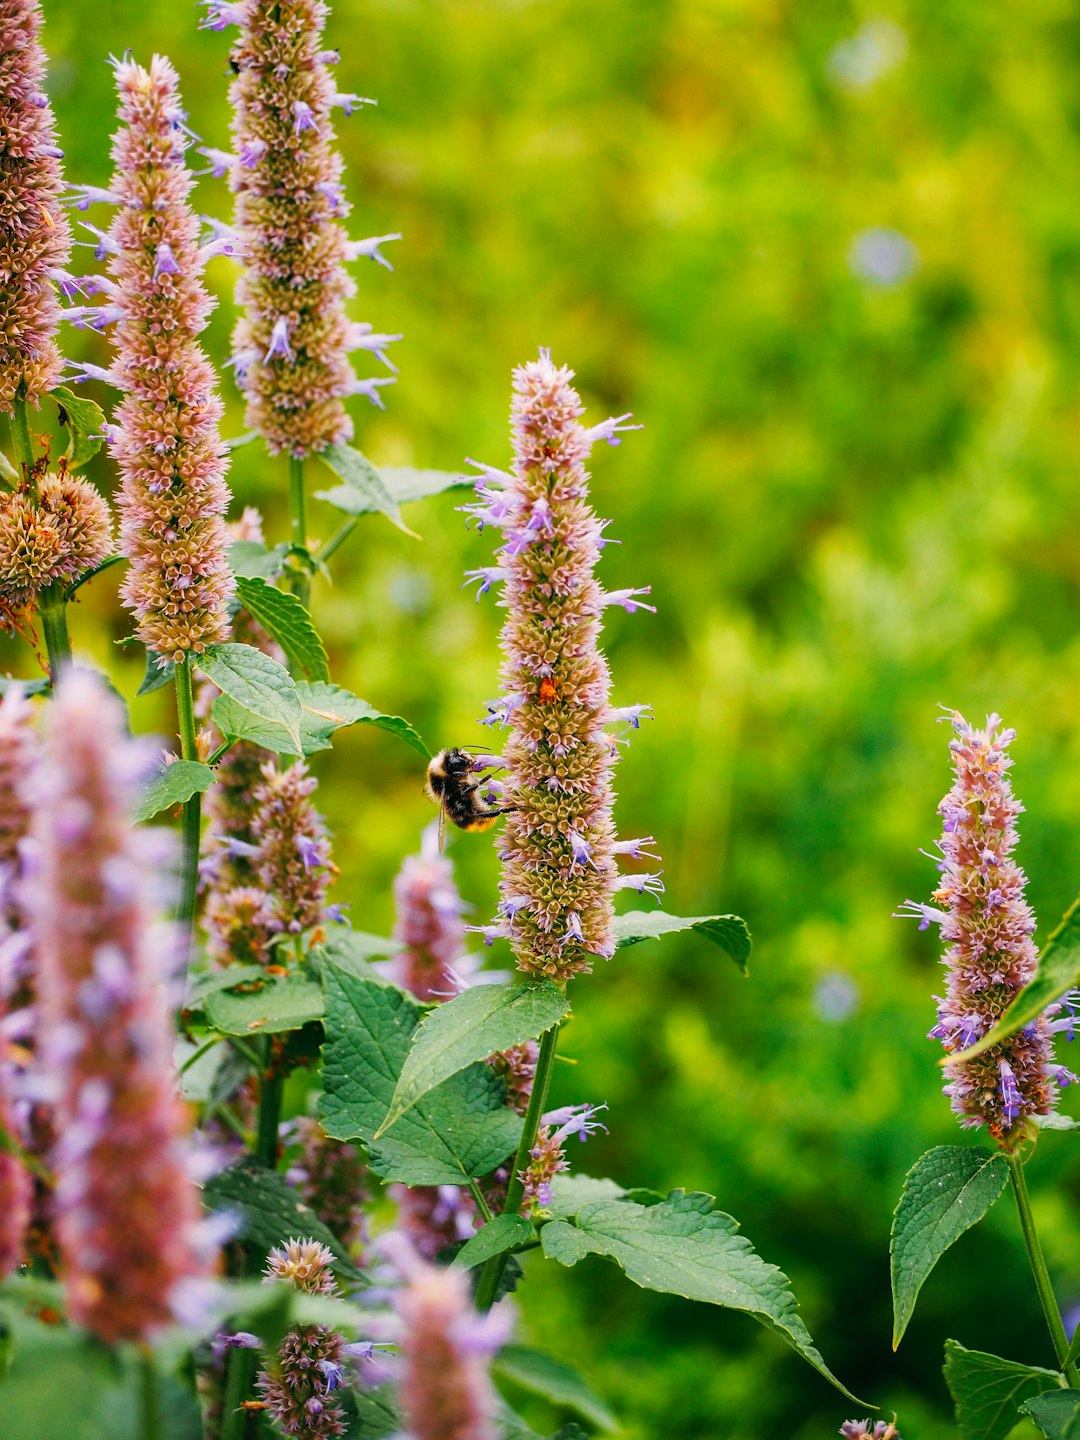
[{"x": 458, "y": 797}]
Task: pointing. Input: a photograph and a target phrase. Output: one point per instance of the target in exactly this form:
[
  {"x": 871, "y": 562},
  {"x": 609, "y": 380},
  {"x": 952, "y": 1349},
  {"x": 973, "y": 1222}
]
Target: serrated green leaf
[
  {"x": 254, "y": 560},
  {"x": 156, "y": 676},
  {"x": 730, "y": 932},
  {"x": 172, "y": 785},
  {"x": 459, "y": 1131},
  {"x": 257, "y": 683},
  {"x": 1056, "y": 1413},
  {"x": 571, "y": 1193},
  {"x": 479, "y": 1022},
  {"x": 328, "y": 708},
  {"x": 555, "y": 1380},
  {"x": 945, "y": 1192},
  {"x": 405, "y": 483},
  {"x": 208, "y": 982},
  {"x": 270, "y": 1211},
  {"x": 1058, "y": 970},
  {"x": 238, "y": 723},
  {"x": 686, "y": 1247},
  {"x": 494, "y": 1238},
  {"x": 987, "y": 1391},
  {"x": 276, "y": 1006},
  {"x": 363, "y": 491},
  {"x": 353, "y": 950},
  {"x": 284, "y": 617},
  {"x": 85, "y": 424}
]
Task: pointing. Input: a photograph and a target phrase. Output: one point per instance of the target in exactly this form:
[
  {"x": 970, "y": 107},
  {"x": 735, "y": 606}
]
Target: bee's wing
[{"x": 442, "y": 828}]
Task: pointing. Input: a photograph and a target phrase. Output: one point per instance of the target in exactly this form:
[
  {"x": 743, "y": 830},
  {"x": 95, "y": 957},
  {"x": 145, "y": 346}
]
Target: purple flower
[
  {"x": 279, "y": 340},
  {"x": 987, "y": 926}
]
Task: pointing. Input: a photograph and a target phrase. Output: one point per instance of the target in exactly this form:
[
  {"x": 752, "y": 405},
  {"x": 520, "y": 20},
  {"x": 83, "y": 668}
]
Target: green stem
[
  {"x": 21, "y": 443},
  {"x": 238, "y": 1377},
  {"x": 149, "y": 1398},
  {"x": 192, "y": 824},
  {"x": 492, "y": 1272},
  {"x": 52, "y": 607},
  {"x": 1040, "y": 1272},
  {"x": 299, "y": 580},
  {"x": 340, "y": 535},
  {"x": 481, "y": 1203},
  {"x": 270, "y": 1091}
]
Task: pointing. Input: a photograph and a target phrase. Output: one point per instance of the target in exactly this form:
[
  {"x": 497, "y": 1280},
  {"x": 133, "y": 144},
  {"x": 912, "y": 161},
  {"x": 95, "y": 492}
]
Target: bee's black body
[{"x": 451, "y": 786}]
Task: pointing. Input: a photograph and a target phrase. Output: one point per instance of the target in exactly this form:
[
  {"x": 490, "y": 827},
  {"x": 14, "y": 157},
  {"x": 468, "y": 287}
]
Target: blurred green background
[{"x": 829, "y": 254}]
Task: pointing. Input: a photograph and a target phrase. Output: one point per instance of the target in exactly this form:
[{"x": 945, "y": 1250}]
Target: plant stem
[
  {"x": 299, "y": 580},
  {"x": 340, "y": 535},
  {"x": 52, "y": 607},
  {"x": 492, "y": 1272},
  {"x": 21, "y": 443},
  {"x": 238, "y": 1375},
  {"x": 189, "y": 874},
  {"x": 1040, "y": 1272},
  {"x": 481, "y": 1203},
  {"x": 149, "y": 1398},
  {"x": 271, "y": 1085}
]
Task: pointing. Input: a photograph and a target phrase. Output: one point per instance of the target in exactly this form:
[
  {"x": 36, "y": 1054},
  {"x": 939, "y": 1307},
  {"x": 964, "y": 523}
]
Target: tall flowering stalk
[
  {"x": 166, "y": 442},
  {"x": 293, "y": 341},
  {"x": 987, "y": 925},
  {"x": 445, "y": 1389},
  {"x": 558, "y": 845},
  {"x": 127, "y": 1212},
  {"x": 432, "y": 963},
  {"x": 35, "y": 241}
]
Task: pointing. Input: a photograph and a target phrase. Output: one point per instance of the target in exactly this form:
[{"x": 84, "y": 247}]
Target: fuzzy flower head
[
  {"x": 310, "y": 1365},
  {"x": 18, "y": 748},
  {"x": 428, "y": 924},
  {"x": 127, "y": 1210},
  {"x": 447, "y": 1347},
  {"x": 173, "y": 495},
  {"x": 987, "y": 926},
  {"x": 870, "y": 1430},
  {"x": 558, "y": 846},
  {"x": 56, "y": 534},
  {"x": 434, "y": 1217},
  {"x": 293, "y": 341},
  {"x": 292, "y": 860},
  {"x": 35, "y": 241}
]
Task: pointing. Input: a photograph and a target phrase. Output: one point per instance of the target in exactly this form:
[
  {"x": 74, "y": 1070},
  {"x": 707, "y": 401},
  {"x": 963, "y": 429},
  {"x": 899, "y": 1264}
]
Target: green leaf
[
  {"x": 28, "y": 687},
  {"x": 945, "y": 1192},
  {"x": 85, "y": 421},
  {"x": 495, "y": 1238},
  {"x": 558, "y": 1382},
  {"x": 987, "y": 1391},
  {"x": 353, "y": 950},
  {"x": 270, "y": 1211},
  {"x": 251, "y": 559},
  {"x": 61, "y": 1384},
  {"x": 1054, "y": 1121},
  {"x": 156, "y": 676},
  {"x": 284, "y": 617},
  {"x": 171, "y": 786},
  {"x": 1058, "y": 971},
  {"x": 731, "y": 933},
  {"x": 327, "y": 708},
  {"x": 377, "y": 1413},
  {"x": 405, "y": 483},
  {"x": 279, "y": 1005},
  {"x": 237, "y": 723},
  {"x": 479, "y": 1022},
  {"x": 686, "y": 1247},
  {"x": 1056, "y": 1412},
  {"x": 571, "y": 1193},
  {"x": 260, "y": 685},
  {"x": 363, "y": 491},
  {"x": 460, "y": 1130}
]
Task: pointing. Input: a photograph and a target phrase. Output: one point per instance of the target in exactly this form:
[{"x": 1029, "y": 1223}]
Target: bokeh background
[{"x": 829, "y": 255}]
